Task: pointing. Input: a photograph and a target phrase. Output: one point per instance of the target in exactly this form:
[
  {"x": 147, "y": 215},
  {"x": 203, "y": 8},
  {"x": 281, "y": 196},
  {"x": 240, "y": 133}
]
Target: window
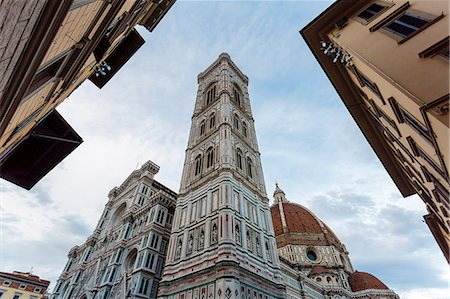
[
  {"x": 236, "y": 122},
  {"x": 249, "y": 168},
  {"x": 144, "y": 286},
  {"x": 2, "y": 292},
  {"x": 212, "y": 121},
  {"x": 17, "y": 295},
  {"x": 198, "y": 165},
  {"x": 380, "y": 113},
  {"x": 32, "y": 297},
  {"x": 237, "y": 97},
  {"x": 440, "y": 48},
  {"x": 244, "y": 129},
  {"x": 45, "y": 75},
  {"x": 211, "y": 95},
  {"x": 209, "y": 157},
  {"x": 417, "y": 126},
  {"x": 365, "y": 81},
  {"x": 141, "y": 200},
  {"x": 371, "y": 12},
  {"x": 239, "y": 159},
  {"x": 202, "y": 128},
  {"x": 7, "y": 283},
  {"x": 408, "y": 23},
  {"x": 421, "y": 153},
  {"x": 22, "y": 286}
]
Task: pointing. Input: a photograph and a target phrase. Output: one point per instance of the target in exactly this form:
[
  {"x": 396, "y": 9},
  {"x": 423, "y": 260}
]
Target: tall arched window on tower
[
  {"x": 249, "y": 167},
  {"x": 239, "y": 159},
  {"x": 209, "y": 157},
  {"x": 236, "y": 122},
  {"x": 202, "y": 128},
  {"x": 198, "y": 165},
  {"x": 211, "y": 94},
  {"x": 244, "y": 129},
  {"x": 237, "y": 97},
  {"x": 212, "y": 121}
]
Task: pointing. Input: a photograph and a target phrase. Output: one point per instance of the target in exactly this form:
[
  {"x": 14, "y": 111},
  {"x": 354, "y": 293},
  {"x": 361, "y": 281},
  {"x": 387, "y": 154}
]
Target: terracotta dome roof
[
  {"x": 318, "y": 270},
  {"x": 360, "y": 281},
  {"x": 299, "y": 220}
]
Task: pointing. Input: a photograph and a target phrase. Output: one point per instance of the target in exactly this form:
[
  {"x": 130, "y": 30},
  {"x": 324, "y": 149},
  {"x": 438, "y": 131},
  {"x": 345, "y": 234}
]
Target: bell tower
[{"x": 222, "y": 243}]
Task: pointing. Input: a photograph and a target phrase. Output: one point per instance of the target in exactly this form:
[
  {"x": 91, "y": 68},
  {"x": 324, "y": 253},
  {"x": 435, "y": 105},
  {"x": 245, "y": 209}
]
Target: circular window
[
  {"x": 311, "y": 255},
  {"x": 318, "y": 279}
]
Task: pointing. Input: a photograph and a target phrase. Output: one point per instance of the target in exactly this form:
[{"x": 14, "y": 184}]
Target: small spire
[{"x": 278, "y": 194}]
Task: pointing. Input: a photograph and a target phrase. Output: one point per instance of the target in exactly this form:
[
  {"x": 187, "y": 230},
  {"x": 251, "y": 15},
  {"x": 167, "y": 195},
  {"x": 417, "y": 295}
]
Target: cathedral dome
[
  {"x": 360, "y": 281},
  {"x": 292, "y": 222}
]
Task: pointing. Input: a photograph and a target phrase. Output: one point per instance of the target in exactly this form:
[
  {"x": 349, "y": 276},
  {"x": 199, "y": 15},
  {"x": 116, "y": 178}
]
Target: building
[
  {"x": 389, "y": 62},
  {"x": 19, "y": 285},
  {"x": 124, "y": 257},
  {"x": 222, "y": 242},
  {"x": 225, "y": 240},
  {"x": 314, "y": 262},
  {"x": 47, "y": 49}
]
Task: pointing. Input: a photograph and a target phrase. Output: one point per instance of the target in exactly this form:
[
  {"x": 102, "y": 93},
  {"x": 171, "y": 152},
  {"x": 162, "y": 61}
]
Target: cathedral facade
[{"x": 217, "y": 238}]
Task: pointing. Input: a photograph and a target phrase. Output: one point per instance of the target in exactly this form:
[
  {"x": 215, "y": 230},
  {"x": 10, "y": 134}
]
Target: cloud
[{"x": 308, "y": 142}]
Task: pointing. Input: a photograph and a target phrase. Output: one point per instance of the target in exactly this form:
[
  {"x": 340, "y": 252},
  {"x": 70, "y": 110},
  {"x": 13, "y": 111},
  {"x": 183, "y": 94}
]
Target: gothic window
[
  {"x": 211, "y": 95},
  {"x": 249, "y": 168},
  {"x": 201, "y": 240},
  {"x": 239, "y": 159},
  {"x": 214, "y": 234},
  {"x": 236, "y": 122},
  {"x": 198, "y": 164},
  {"x": 190, "y": 243},
  {"x": 212, "y": 121},
  {"x": 202, "y": 128},
  {"x": 237, "y": 233},
  {"x": 249, "y": 241},
  {"x": 237, "y": 97},
  {"x": 244, "y": 129},
  {"x": 209, "y": 157}
]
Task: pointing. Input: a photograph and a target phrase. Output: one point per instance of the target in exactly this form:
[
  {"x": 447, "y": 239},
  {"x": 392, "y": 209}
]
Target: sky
[{"x": 308, "y": 142}]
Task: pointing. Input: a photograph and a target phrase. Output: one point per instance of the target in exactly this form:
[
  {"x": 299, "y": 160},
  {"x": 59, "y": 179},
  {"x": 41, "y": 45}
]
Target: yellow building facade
[
  {"x": 18, "y": 285},
  {"x": 389, "y": 62},
  {"x": 47, "y": 49}
]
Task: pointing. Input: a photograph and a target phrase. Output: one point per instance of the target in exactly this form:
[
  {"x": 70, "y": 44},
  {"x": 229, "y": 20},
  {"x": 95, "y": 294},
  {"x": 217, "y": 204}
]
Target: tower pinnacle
[{"x": 279, "y": 195}]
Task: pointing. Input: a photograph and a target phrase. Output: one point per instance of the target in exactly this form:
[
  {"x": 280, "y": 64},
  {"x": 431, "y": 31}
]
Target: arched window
[
  {"x": 244, "y": 129},
  {"x": 198, "y": 165},
  {"x": 211, "y": 95},
  {"x": 236, "y": 122},
  {"x": 209, "y": 157},
  {"x": 237, "y": 97},
  {"x": 239, "y": 159},
  {"x": 212, "y": 121},
  {"x": 202, "y": 128},
  {"x": 249, "y": 168}
]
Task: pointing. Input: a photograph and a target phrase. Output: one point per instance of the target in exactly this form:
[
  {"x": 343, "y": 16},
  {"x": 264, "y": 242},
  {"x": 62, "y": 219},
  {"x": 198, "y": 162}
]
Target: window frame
[
  {"x": 363, "y": 21},
  {"x": 401, "y": 11},
  {"x": 437, "y": 50}
]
